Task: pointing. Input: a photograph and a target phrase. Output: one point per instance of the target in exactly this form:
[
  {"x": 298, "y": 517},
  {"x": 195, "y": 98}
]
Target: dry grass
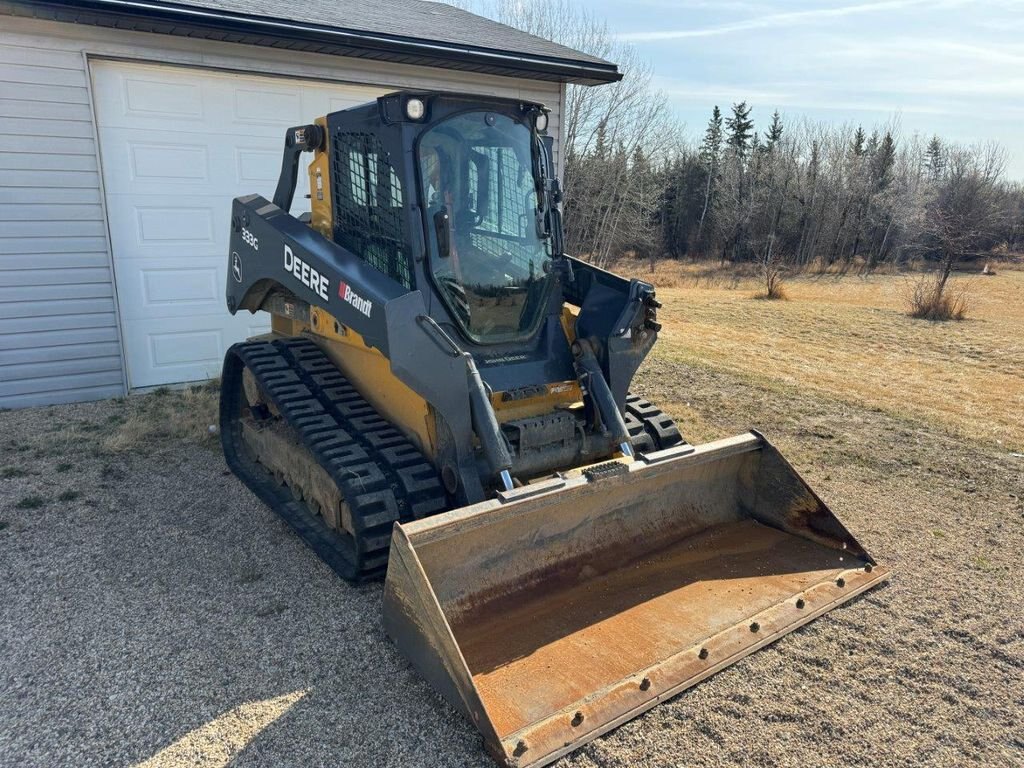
[
  {"x": 141, "y": 423},
  {"x": 848, "y": 338},
  {"x": 183, "y": 414}
]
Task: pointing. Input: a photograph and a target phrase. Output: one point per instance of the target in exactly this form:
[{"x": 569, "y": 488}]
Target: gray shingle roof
[
  {"x": 403, "y": 31},
  {"x": 417, "y": 19}
]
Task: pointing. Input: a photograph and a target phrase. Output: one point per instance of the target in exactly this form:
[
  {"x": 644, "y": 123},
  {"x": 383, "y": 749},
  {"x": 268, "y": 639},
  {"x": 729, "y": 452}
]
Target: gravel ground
[{"x": 153, "y": 611}]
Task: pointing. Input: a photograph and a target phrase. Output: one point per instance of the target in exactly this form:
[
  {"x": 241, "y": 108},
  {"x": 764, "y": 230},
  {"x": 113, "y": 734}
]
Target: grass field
[{"x": 848, "y": 337}]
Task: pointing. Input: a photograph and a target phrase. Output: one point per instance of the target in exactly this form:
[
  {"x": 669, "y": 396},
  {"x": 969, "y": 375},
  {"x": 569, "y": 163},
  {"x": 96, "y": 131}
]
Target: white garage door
[{"x": 177, "y": 145}]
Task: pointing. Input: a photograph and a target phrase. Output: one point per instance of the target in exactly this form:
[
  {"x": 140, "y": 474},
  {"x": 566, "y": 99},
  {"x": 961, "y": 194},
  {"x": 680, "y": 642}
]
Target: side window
[
  {"x": 501, "y": 187},
  {"x": 368, "y": 216},
  {"x": 503, "y": 190}
]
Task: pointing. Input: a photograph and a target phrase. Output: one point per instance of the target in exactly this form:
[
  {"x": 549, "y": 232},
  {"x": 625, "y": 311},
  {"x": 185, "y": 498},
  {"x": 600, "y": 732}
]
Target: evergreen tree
[
  {"x": 601, "y": 144},
  {"x": 641, "y": 204},
  {"x": 711, "y": 147},
  {"x": 741, "y": 128},
  {"x": 872, "y": 143},
  {"x": 934, "y": 158},
  {"x": 814, "y": 163},
  {"x": 774, "y": 133},
  {"x": 882, "y": 162},
  {"x": 857, "y": 148},
  {"x": 710, "y": 151}
]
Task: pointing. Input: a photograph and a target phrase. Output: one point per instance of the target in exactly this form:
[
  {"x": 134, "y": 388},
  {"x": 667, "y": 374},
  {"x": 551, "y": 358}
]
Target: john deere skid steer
[{"x": 445, "y": 399}]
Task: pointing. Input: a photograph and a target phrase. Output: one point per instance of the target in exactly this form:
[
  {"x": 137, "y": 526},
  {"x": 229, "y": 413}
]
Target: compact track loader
[{"x": 444, "y": 385}]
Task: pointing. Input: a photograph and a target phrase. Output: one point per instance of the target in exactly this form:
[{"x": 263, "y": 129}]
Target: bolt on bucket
[{"x": 563, "y": 609}]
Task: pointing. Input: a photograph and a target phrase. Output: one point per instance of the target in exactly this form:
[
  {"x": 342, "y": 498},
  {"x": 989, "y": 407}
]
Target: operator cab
[{"x": 452, "y": 195}]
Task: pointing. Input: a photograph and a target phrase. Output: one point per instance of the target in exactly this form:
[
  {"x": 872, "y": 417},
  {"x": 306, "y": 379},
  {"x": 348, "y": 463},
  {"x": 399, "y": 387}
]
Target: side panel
[{"x": 271, "y": 248}]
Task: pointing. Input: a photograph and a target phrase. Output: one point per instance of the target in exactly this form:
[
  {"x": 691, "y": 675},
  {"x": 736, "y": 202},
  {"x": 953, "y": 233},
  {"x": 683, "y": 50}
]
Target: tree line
[{"x": 798, "y": 194}]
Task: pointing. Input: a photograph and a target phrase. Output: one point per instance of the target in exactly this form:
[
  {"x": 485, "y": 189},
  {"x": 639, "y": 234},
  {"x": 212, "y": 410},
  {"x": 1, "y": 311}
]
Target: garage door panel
[
  {"x": 172, "y": 287},
  {"x": 168, "y": 226},
  {"x": 174, "y": 349},
  {"x": 262, "y": 107},
  {"x": 168, "y": 294},
  {"x": 189, "y": 350},
  {"x": 156, "y": 290},
  {"x": 159, "y": 225},
  {"x": 160, "y": 98},
  {"x": 132, "y": 157},
  {"x": 144, "y": 95},
  {"x": 258, "y": 165},
  {"x": 177, "y": 145},
  {"x": 268, "y": 107},
  {"x": 171, "y": 161},
  {"x": 163, "y": 162}
]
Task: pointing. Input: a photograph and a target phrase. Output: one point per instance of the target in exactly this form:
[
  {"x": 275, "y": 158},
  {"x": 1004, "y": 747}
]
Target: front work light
[
  {"x": 415, "y": 109},
  {"x": 541, "y": 121}
]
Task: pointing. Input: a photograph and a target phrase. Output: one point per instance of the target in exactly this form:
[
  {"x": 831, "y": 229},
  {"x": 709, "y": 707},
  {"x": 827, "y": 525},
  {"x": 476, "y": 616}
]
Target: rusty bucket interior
[{"x": 560, "y": 610}]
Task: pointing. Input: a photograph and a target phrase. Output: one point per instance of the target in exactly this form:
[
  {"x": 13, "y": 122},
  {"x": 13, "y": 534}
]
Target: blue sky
[{"x": 950, "y": 67}]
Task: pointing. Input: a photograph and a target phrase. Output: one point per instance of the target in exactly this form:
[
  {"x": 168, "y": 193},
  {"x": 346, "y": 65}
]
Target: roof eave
[{"x": 158, "y": 17}]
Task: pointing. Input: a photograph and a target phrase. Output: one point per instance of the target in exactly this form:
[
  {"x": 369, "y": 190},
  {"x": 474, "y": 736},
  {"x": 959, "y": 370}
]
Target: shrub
[
  {"x": 772, "y": 280},
  {"x": 931, "y": 298}
]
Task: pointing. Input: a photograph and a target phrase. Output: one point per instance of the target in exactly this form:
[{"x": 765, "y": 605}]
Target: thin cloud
[
  {"x": 930, "y": 50},
  {"x": 797, "y": 95},
  {"x": 775, "y": 20},
  {"x": 723, "y": 93},
  {"x": 872, "y": 106},
  {"x": 974, "y": 87}
]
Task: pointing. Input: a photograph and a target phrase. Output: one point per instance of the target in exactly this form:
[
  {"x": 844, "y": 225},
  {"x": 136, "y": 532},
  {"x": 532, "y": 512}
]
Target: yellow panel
[
  {"x": 569, "y": 315},
  {"x": 286, "y": 326},
  {"x": 558, "y": 394},
  {"x": 370, "y": 373}
]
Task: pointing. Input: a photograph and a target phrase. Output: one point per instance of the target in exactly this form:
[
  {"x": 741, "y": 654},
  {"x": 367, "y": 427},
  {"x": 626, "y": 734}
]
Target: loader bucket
[{"x": 562, "y": 609}]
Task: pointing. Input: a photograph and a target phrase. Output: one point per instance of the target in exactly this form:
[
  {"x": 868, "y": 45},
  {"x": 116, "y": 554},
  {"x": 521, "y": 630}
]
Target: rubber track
[
  {"x": 382, "y": 476},
  {"x": 649, "y": 428}
]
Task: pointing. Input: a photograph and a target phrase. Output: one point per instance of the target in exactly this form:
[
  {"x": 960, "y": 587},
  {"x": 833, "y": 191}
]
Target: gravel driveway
[{"x": 155, "y": 612}]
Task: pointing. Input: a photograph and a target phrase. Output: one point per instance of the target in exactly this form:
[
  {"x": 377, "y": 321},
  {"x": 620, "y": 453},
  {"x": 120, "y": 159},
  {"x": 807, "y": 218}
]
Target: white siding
[
  {"x": 58, "y": 328},
  {"x": 59, "y": 338}
]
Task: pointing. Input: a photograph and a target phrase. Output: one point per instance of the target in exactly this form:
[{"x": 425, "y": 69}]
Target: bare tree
[{"x": 963, "y": 211}]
